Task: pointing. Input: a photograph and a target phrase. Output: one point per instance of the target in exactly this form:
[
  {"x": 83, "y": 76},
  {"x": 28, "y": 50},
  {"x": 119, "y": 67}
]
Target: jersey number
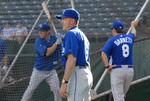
[{"x": 125, "y": 50}]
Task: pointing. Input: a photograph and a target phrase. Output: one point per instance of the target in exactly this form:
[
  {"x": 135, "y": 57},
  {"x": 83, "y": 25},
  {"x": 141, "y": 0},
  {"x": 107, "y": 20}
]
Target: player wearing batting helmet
[
  {"x": 77, "y": 79},
  {"x": 48, "y": 51},
  {"x": 119, "y": 47}
]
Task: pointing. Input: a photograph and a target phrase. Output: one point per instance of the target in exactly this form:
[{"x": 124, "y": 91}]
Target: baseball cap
[
  {"x": 19, "y": 21},
  {"x": 7, "y": 22},
  {"x": 44, "y": 27},
  {"x": 118, "y": 25},
  {"x": 69, "y": 13}
]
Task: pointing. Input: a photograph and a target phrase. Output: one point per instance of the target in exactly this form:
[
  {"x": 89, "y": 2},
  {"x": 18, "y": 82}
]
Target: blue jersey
[
  {"x": 120, "y": 48},
  {"x": 43, "y": 62},
  {"x": 76, "y": 43},
  {"x": 2, "y": 49}
]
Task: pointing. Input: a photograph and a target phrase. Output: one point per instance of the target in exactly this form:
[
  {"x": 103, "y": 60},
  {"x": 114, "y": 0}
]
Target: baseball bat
[
  {"x": 49, "y": 16},
  {"x": 72, "y": 4},
  {"x": 24, "y": 43}
]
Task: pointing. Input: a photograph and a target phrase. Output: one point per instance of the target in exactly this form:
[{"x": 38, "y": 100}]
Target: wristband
[
  {"x": 64, "y": 81},
  {"x": 108, "y": 66}
]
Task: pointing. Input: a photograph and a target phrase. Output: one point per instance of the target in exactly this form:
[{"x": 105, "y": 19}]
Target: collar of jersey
[{"x": 73, "y": 27}]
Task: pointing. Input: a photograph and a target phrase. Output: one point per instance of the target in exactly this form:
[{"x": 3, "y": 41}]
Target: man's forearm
[
  {"x": 133, "y": 30},
  {"x": 5, "y": 60},
  {"x": 71, "y": 61},
  {"x": 105, "y": 59},
  {"x": 50, "y": 50}
]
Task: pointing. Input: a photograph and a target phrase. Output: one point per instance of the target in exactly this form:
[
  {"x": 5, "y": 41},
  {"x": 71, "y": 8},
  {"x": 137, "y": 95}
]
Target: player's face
[
  {"x": 43, "y": 34},
  {"x": 19, "y": 25},
  {"x": 66, "y": 23},
  {"x": 7, "y": 25}
]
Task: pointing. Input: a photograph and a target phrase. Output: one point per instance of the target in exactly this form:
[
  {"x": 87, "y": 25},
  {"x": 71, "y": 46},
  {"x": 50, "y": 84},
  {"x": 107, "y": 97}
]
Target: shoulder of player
[
  {"x": 69, "y": 33},
  {"x": 72, "y": 35},
  {"x": 24, "y": 28},
  {"x": 111, "y": 39},
  {"x": 131, "y": 35},
  {"x": 38, "y": 40},
  {"x": 73, "y": 32},
  {"x": 52, "y": 36}
]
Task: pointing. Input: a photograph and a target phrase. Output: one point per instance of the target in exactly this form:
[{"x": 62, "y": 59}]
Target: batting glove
[
  {"x": 5, "y": 68},
  {"x": 58, "y": 41}
]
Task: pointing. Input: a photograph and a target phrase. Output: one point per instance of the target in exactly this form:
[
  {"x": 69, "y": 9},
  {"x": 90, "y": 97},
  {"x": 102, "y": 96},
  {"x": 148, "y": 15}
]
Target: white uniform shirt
[
  {"x": 21, "y": 31},
  {"x": 8, "y": 32}
]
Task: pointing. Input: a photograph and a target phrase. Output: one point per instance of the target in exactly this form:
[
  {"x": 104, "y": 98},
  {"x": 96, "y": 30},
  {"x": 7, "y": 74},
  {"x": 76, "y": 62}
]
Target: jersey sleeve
[
  {"x": 132, "y": 36},
  {"x": 107, "y": 48},
  {"x": 40, "y": 48},
  {"x": 71, "y": 44}
]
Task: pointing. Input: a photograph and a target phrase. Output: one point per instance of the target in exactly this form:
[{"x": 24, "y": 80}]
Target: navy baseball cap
[
  {"x": 69, "y": 13},
  {"x": 118, "y": 25},
  {"x": 44, "y": 27},
  {"x": 7, "y": 22}
]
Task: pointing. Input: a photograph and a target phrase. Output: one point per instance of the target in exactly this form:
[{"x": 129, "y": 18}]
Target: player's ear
[
  {"x": 72, "y": 20},
  {"x": 114, "y": 30}
]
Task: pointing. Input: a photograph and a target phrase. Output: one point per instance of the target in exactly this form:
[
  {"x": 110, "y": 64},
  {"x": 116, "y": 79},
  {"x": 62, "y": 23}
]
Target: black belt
[{"x": 129, "y": 66}]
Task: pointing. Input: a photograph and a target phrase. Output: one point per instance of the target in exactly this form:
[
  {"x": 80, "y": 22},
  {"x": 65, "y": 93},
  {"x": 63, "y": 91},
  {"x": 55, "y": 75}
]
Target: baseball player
[
  {"x": 48, "y": 51},
  {"x": 77, "y": 79},
  {"x": 120, "y": 48}
]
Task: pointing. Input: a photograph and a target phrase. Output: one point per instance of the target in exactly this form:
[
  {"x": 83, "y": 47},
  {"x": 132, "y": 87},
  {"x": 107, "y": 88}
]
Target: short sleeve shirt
[
  {"x": 120, "y": 48},
  {"x": 77, "y": 44},
  {"x": 43, "y": 62}
]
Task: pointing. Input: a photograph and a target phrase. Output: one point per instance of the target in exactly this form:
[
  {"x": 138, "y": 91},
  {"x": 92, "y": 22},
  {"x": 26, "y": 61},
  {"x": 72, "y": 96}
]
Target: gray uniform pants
[
  {"x": 120, "y": 82},
  {"x": 37, "y": 77},
  {"x": 80, "y": 84}
]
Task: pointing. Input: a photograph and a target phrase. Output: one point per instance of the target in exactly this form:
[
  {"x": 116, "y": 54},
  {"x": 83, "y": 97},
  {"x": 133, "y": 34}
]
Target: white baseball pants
[
  {"x": 79, "y": 84},
  {"x": 37, "y": 77},
  {"x": 120, "y": 82}
]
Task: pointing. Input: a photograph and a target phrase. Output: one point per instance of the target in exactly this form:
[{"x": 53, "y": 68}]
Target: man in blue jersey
[
  {"x": 48, "y": 51},
  {"x": 77, "y": 80},
  {"x": 119, "y": 47}
]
